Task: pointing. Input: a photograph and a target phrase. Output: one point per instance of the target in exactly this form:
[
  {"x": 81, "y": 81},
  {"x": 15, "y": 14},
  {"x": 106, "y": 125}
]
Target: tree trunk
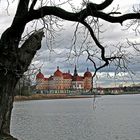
[
  {"x": 7, "y": 85},
  {"x": 12, "y": 66}
]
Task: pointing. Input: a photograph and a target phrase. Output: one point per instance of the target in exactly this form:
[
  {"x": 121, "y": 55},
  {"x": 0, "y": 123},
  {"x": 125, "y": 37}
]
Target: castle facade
[{"x": 61, "y": 82}]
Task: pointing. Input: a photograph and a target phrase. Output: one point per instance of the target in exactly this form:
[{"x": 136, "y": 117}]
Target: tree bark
[
  {"x": 10, "y": 73},
  {"x": 7, "y": 86}
]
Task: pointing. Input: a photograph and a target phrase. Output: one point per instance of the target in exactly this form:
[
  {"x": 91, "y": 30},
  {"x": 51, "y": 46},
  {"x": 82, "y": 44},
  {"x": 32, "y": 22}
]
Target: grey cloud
[{"x": 51, "y": 60}]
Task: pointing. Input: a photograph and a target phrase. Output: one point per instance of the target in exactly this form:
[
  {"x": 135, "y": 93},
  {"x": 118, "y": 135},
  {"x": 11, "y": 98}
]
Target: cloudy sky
[{"x": 58, "y": 51}]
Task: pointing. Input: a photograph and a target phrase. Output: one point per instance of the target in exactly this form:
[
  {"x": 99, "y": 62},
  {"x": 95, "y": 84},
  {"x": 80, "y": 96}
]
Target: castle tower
[
  {"x": 75, "y": 72},
  {"x": 39, "y": 80},
  {"x": 87, "y": 80}
]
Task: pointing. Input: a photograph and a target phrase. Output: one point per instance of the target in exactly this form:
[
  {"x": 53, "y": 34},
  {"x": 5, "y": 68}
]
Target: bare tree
[{"x": 14, "y": 60}]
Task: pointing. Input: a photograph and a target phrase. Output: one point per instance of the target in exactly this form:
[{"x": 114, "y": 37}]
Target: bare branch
[
  {"x": 96, "y": 42},
  {"x": 101, "y": 6},
  {"x": 32, "y": 5},
  {"x": 79, "y": 16}
]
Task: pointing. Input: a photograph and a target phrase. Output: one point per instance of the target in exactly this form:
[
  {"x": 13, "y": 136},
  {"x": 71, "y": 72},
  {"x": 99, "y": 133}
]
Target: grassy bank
[
  {"x": 48, "y": 96},
  {"x": 40, "y": 97}
]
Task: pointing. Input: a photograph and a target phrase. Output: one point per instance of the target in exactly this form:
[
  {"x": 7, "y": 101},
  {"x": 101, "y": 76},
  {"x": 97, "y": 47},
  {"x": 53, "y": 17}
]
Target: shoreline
[
  {"x": 58, "y": 96},
  {"x": 50, "y": 96}
]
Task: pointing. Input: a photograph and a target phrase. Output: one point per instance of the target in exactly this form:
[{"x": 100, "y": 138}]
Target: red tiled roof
[
  {"x": 46, "y": 79},
  {"x": 67, "y": 76},
  {"x": 87, "y": 73},
  {"x": 50, "y": 78},
  {"x": 77, "y": 78},
  {"x": 58, "y": 73},
  {"x": 39, "y": 76}
]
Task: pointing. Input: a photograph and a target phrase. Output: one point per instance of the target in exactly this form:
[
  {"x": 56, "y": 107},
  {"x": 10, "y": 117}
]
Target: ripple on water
[{"x": 114, "y": 118}]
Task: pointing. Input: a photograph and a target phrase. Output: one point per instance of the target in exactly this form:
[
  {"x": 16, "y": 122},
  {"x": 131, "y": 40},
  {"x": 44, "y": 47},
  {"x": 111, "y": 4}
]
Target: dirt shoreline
[{"x": 49, "y": 96}]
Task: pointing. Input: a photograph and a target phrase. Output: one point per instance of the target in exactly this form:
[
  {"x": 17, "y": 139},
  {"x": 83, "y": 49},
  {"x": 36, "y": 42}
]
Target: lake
[{"x": 109, "y": 118}]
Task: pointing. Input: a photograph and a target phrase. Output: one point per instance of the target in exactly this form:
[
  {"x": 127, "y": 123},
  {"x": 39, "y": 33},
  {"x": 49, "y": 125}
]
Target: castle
[{"x": 61, "y": 82}]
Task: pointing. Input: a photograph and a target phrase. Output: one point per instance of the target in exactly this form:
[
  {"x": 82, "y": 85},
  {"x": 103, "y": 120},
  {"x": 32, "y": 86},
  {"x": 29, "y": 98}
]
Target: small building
[{"x": 110, "y": 90}]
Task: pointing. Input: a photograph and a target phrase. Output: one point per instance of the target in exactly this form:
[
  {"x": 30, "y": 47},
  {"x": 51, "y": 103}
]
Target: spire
[
  {"x": 75, "y": 72},
  {"x": 68, "y": 71},
  {"x": 87, "y": 69},
  {"x": 39, "y": 70},
  {"x": 57, "y": 67}
]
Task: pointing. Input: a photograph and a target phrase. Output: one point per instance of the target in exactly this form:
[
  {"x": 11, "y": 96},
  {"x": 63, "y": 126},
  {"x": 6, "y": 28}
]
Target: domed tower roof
[
  {"x": 67, "y": 76},
  {"x": 39, "y": 75},
  {"x": 58, "y": 73},
  {"x": 87, "y": 73}
]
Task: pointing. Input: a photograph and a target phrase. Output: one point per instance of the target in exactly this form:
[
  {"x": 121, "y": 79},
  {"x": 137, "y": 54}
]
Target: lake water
[{"x": 112, "y": 118}]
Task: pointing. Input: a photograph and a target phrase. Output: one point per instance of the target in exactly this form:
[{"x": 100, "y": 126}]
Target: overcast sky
[{"x": 57, "y": 54}]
